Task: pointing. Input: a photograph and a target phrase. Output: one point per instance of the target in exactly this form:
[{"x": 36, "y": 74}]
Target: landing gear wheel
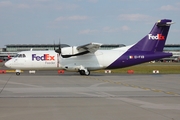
[
  {"x": 18, "y": 73},
  {"x": 87, "y": 73},
  {"x": 82, "y": 72}
]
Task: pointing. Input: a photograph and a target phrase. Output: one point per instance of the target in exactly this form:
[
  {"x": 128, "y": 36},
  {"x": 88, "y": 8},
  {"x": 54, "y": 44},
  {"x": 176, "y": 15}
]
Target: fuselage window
[
  {"x": 16, "y": 55},
  {"x": 20, "y": 56},
  {"x": 24, "y": 55}
]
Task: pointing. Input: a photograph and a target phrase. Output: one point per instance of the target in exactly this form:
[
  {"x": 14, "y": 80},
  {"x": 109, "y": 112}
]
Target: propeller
[
  {"x": 59, "y": 49},
  {"x": 54, "y": 46}
]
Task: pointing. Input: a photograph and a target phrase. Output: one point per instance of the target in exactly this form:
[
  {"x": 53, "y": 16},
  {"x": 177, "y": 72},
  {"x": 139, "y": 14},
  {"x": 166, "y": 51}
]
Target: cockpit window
[
  {"x": 20, "y": 55},
  {"x": 16, "y": 55},
  {"x": 24, "y": 55}
]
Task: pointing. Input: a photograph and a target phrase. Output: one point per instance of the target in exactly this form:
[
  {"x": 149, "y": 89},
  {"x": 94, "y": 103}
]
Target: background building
[{"x": 175, "y": 50}]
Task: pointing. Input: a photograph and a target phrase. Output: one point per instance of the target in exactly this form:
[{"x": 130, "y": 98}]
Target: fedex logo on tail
[
  {"x": 157, "y": 37},
  {"x": 45, "y": 57}
]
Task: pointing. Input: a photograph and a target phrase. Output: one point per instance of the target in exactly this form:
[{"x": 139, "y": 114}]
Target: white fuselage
[{"x": 50, "y": 60}]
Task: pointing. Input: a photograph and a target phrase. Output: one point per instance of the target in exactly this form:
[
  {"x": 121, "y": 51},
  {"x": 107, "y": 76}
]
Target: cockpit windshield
[{"x": 20, "y": 56}]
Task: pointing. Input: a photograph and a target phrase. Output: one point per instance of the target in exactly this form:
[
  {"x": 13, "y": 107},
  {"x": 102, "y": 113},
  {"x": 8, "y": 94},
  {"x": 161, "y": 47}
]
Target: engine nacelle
[{"x": 69, "y": 50}]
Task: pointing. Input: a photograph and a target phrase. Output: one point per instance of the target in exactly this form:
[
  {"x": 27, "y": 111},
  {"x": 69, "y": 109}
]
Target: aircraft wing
[
  {"x": 80, "y": 50},
  {"x": 91, "y": 47}
]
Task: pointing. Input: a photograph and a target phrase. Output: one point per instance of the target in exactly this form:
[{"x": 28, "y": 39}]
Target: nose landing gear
[{"x": 18, "y": 72}]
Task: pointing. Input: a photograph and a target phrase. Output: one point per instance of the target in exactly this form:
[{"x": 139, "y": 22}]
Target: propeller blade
[
  {"x": 59, "y": 49},
  {"x": 59, "y": 45},
  {"x": 54, "y": 46}
]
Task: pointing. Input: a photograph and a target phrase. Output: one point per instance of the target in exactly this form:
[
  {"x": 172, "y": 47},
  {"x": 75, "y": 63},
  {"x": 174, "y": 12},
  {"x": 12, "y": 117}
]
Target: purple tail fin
[{"x": 156, "y": 39}]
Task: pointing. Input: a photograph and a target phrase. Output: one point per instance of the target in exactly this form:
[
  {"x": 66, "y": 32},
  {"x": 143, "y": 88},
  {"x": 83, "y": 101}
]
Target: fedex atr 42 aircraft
[{"x": 86, "y": 58}]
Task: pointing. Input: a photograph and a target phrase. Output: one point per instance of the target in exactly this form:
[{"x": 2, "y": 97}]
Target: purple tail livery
[{"x": 148, "y": 48}]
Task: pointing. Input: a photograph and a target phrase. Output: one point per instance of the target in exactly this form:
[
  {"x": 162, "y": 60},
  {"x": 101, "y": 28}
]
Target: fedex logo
[
  {"x": 157, "y": 37},
  {"x": 45, "y": 57}
]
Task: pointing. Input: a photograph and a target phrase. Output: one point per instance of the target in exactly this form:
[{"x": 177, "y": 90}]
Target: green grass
[{"x": 147, "y": 68}]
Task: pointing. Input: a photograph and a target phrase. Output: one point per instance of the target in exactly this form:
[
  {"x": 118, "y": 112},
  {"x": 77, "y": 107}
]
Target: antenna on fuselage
[{"x": 31, "y": 49}]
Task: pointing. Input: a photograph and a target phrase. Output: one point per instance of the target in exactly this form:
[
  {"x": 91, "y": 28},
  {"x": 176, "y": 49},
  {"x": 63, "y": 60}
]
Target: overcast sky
[{"x": 78, "y": 22}]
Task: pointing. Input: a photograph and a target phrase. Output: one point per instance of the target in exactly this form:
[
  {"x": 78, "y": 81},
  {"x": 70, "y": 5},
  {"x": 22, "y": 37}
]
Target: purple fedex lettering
[
  {"x": 34, "y": 57},
  {"x": 45, "y": 57}
]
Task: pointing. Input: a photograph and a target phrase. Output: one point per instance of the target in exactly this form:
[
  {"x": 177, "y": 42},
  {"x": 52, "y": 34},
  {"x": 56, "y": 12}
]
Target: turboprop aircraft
[{"x": 86, "y": 58}]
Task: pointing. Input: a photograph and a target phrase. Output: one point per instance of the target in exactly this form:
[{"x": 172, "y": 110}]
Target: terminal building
[
  {"x": 175, "y": 50},
  {"x": 13, "y": 49}
]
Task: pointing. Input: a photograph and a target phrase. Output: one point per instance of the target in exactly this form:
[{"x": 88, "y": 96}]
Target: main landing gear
[{"x": 84, "y": 72}]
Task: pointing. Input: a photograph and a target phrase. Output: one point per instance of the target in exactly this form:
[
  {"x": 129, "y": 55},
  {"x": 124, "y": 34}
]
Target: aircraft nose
[{"x": 7, "y": 64}]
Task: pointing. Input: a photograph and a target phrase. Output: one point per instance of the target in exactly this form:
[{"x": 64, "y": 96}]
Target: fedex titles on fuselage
[
  {"x": 157, "y": 37},
  {"x": 49, "y": 59}
]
